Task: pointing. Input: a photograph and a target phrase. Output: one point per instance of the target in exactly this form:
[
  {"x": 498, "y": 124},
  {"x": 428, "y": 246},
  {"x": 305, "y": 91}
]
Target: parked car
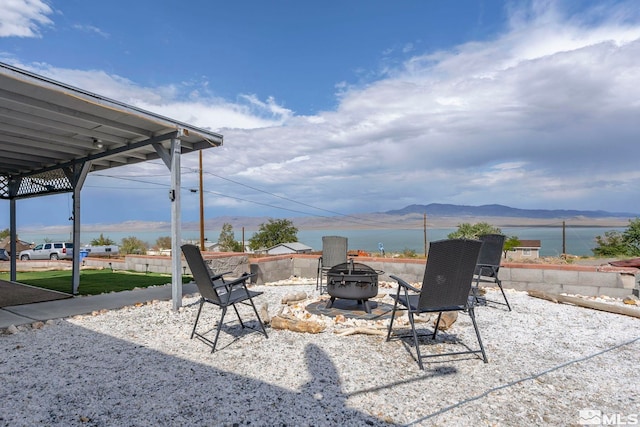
[
  {"x": 4, "y": 255},
  {"x": 55, "y": 250}
]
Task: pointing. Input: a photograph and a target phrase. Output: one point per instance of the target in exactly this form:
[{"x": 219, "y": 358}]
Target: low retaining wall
[
  {"x": 607, "y": 280},
  {"x": 616, "y": 282},
  {"x": 235, "y": 263},
  {"x": 611, "y": 281}
]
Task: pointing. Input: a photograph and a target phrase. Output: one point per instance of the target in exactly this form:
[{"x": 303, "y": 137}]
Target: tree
[
  {"x": 611, "y": 244},
  {"x": 227, "y": 239},
  {"x": 615, "y": 243},
  {"x": 133, "y": 245},
  {"x": 632, "y": 237},
  {"x": 163, "y": 242},
  {"x": 275, "y": 231},
  {"x": 510, "y": 244},
  {"x": 102, "y": 241},
  {"x": 468, "y": 231},
  {"x": 4, "y": 233}
]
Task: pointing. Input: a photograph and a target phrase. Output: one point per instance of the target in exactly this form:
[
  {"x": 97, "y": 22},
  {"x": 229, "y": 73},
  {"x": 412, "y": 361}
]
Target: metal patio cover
[
  {"x": 52, "y": 135},
  {"x": 46, "y": 126}
]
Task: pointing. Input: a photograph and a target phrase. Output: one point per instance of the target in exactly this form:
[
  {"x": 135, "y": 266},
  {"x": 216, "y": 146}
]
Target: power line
[
  {"x": 294, "y": 201},
  {"x": 349, "y": 218}
]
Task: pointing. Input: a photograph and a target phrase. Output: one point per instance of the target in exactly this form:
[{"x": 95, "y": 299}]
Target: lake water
[{"x": 579, "y": 240}]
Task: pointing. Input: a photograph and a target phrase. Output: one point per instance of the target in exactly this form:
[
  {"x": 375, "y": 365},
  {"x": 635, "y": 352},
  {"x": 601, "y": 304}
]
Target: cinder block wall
[
  {"x": 221, "y": 262},
  {"x": 611, "y": 281},
  {"x": 272, "y": 269},
  {"x": 573, "y": 279},
  {"x": 234, "y": 263}
]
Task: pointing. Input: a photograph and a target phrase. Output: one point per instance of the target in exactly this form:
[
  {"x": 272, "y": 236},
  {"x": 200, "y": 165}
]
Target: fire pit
[{"x": 352, "y": 281}]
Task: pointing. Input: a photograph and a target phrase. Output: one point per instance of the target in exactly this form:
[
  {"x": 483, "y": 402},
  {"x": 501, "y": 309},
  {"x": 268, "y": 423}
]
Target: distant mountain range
[
  {"x": 438, "y": 215},
  {"x": 446, "y": 210}
]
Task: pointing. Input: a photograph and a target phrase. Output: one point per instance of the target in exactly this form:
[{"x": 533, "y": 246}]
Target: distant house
[
  {"x": 20, "y": 245},
  {"x": 528, "y": 249},
  {"x": 289, "y": 248},
  {"x": 208, "y": 246},
  {"x": 217, "y": 247},
  {"x": 212, "y": 247}
]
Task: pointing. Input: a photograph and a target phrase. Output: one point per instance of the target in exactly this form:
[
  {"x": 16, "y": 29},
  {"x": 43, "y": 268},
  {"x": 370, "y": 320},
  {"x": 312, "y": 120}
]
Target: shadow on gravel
[{"x": 91, "y": 379}]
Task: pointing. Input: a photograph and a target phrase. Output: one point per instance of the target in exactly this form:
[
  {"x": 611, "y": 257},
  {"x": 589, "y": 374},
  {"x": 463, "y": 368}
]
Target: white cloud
[
  {"x": 23, "y": 18},
  {"x": 542, "y": 116},
  {"x": 178, "y": 101},
  {"x": 561, "y": 105},
  {"x": 91, "y": 29}
]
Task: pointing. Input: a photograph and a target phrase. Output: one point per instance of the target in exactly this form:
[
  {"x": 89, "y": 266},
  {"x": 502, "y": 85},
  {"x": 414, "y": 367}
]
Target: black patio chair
[
  {"x": 445, "y": 287},
  {"x": 334, "y": 252},
  {"x": 488, "y": 266},
  {"x": 214, "y": 289}
]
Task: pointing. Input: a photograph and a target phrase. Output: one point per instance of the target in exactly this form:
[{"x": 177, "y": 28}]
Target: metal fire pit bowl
[{"x": 352, "y": 281}]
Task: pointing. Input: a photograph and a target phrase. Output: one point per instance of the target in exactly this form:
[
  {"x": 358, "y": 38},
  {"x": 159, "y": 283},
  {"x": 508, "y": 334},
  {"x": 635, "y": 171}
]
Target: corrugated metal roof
[{"x": 47, "y": 128}]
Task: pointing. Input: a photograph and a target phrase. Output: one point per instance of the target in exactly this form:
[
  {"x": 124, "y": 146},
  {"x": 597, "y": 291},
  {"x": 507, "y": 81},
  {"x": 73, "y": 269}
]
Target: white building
[{"x": 289, "y": 248}]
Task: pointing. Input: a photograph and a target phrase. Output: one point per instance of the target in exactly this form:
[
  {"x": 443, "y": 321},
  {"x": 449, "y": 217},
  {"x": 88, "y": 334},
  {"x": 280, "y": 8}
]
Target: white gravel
[{"x": 137, "y": 367}]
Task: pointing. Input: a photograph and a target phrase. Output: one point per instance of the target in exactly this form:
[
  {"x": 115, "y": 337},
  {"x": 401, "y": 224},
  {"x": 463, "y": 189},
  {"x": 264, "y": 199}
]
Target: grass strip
[{"x": 92, "y": 282}]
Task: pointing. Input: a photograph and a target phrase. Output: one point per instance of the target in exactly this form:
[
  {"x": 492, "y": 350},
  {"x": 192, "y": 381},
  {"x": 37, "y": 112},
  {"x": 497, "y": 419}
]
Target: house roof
[
  {"x": 20, "y": 244},
  {"x": 529, "y": 244},
  {"x": 294, "y": 246},
  {"x": 47, "y": 128}
]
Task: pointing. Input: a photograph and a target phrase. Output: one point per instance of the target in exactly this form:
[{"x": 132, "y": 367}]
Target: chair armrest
[
  {"x": 239, "y": 281},
  {"x": 404, "y": 284},
  {"x": 219, "y": 275}
]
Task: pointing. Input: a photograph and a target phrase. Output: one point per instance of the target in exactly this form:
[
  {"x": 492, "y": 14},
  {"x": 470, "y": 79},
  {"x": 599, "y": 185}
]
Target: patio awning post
[{"x": 176, "y": 225}]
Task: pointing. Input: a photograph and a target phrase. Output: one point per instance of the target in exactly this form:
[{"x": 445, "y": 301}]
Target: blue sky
[{"x": 345, "y": 107}]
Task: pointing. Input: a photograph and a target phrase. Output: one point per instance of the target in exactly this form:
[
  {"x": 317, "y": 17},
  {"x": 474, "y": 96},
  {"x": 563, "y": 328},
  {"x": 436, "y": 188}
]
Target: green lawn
[{"x": 92, "y": 282}]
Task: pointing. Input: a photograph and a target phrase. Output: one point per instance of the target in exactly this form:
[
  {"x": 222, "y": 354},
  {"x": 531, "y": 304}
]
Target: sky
[{"x": 347, "y": 107}]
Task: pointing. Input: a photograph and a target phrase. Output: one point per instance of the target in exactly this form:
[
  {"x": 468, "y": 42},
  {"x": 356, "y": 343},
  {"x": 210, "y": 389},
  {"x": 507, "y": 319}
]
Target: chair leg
[
  {"x": 393, "y": 316},
  {"x": 215, "y": 341},
  {"x": 238, "y": 315},
  {"x": 321, "y": 284},
  {"x": 415, "y": 339},
  {"x": 193, "y": 332},
  {"x": 255, "y": 310},
  {"x": 499, "y": 282},
  {"x": 435, "y": 328},
  {"x": 472, "y": 314},
  {"x": 319, "y": 278}
]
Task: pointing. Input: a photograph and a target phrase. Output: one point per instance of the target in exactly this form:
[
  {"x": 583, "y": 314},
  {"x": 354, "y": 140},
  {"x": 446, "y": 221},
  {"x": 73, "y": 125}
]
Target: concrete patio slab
[{"x": 23, "y": 314}]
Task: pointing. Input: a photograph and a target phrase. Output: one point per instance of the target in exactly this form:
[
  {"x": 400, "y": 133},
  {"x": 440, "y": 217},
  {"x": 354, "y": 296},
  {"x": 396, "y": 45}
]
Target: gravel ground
[{"x": 137, "y": 367}]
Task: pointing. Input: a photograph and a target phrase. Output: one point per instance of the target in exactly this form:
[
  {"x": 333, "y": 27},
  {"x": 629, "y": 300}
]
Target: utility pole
[
  {"x": 564, "y": 240},
  {"x": 201, "y": 207},
  {"x": 425, "y": 236}
]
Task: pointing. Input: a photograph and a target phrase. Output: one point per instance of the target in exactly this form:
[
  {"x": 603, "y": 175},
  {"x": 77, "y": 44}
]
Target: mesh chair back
[
  {"x": 200, "y": 272},
  {"x": 449, "y": 274},
  {"x": 334, "y": 251},
  {"x": 491, "y": 251}
]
